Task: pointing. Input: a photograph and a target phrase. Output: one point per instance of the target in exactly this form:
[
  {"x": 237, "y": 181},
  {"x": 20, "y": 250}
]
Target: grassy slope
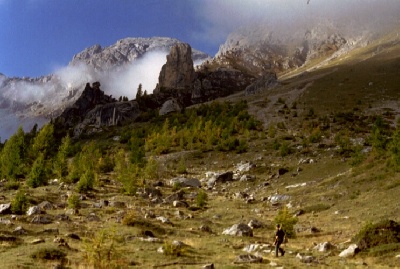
[{"x": 359, "y": 194}]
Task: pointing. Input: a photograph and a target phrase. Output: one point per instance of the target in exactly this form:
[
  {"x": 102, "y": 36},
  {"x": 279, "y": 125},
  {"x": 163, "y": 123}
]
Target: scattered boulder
[
  {"x": 248, "y": 258},
  {"x": 240, "y": 229},
  {"x": 45, "y": 205},
  {"x": 164, "y": 220},
  {"x": 245, "y": 167},
  {"x": 255, "y": 224},
  {"x": 37, "y": 241},
  {"x": 34, "y": 210},
  {"x": 324, "y": 247},
  {"x": 170, "y": 106},
  {"x": 276, "y": 198},
  {"x": 20, "y": 231},
  {"x": 180, "y": 204},
  {"x": 185, "y": 182},
  {"x": 117, "y": 204},
  {"x": 305, "y": 258},
  {"x": 220, "y": 178},
  {"x": 40, "y": 219},
  {"x": 5, "y": 208},
  {"x": 93, "y": 217},
  {"x": 350, "y": 251},
  {"x": 208, "y": 266}
]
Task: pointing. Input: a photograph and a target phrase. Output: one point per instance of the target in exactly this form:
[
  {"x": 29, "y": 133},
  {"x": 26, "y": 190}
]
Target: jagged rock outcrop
[
  {"x": 95, "y": 109},
  {"x": 178, "y": 72},
  {"x": 180, "y": 81}
]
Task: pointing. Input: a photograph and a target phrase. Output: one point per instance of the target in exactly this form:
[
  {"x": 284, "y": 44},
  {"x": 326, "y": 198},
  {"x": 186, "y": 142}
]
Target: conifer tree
[{"x": 11, "y": 157}]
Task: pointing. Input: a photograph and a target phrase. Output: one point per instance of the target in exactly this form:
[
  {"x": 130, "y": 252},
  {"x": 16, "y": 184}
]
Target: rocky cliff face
[{"x": 260, "y": 50}]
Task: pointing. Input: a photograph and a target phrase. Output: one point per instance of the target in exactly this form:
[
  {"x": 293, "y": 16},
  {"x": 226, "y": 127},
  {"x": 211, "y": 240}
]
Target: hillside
[{"x": 322, "y": 144}]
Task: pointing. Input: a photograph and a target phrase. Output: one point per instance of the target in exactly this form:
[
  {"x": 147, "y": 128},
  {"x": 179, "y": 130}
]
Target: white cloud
[{"x": 221, "y": 17}]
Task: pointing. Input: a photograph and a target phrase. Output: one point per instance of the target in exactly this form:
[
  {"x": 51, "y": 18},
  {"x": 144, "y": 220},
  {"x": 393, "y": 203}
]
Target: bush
[
  {"x": 73, "y": 201},
  {"x": 382, "y": 233},
  {"x": 12, "y": 185},
  {"x": 201, "y": 199},
  {"x": 20, "y": 203},
  {"x": 102, "y": 251},
  {"x": 86, "y": 182},
  {"x": 48, "y": 254},
  {"x": 287, "y": 221}
]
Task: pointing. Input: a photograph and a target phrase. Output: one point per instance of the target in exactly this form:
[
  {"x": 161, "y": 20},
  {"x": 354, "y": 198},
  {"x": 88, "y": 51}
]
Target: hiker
[{"x": 279, "y": 239}]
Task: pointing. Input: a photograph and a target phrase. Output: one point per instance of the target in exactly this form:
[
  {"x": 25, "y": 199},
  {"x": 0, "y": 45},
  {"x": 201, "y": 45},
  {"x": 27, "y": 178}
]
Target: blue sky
[{"x": 38, "y": 36}]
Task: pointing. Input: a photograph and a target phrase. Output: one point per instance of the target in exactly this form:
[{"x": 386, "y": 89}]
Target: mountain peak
[{"x": 126, "y": 50}]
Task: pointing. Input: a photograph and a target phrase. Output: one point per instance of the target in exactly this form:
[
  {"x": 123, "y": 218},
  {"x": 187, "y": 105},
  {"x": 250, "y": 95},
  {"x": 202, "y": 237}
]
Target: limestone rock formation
[
  {"x": 127, "y": 50},
  {"x": 267, "y": 81},
  {"x": 178, "y": 72},
  {"x": 95, "y": 109}
]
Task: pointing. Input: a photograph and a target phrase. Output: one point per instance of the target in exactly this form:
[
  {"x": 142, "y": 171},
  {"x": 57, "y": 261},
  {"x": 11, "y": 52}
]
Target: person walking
[{"x": 279, "y": 239}]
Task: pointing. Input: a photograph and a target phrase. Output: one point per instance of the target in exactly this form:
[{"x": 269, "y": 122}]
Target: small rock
[
  {"x": 163, "y": 220},
  {"x": 180, "y": 204},
  {"x": 93, "y": 217},
  {"x": 324, "y": 247},
  {"x": 240, "y": 229},
  {"x": 38, "y": 219},
  {"x": 37, "y": 241},
  {"x": 33, "y": 210},
  {"x": 248, "y": 258},
  {"x": 255, "y": 224},
  {"x": 208, "y": 266},
  {"x": 20, "y": 231},
  {"x": 45, "y": 205},
  {"x": 350, "y": 251},
  {"x": 5, "y": 208},
  {"x": 73, "y": 236}
]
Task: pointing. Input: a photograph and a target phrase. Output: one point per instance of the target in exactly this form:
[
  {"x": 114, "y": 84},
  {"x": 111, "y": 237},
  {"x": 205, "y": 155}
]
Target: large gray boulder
[
  {"x": 185, "y": 182},
  {"x": 170, "y": 106},
  {"x": 240, "y": 229}
]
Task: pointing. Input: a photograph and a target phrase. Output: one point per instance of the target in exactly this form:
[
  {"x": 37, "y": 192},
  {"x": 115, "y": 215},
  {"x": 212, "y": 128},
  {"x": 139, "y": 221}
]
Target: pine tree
[
  {"x": 139, "y": 92},
  {"x": 11, "y": 157}
]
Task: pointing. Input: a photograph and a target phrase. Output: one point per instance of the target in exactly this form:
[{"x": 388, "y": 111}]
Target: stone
[
  {"x": 33, "y": 210},
  {"x": 5, "y": 221},
  {"x": 62, "y": 217},
  {"x": 324, "y": 247},
  {"x": 20, "y": 231},
  {"x": 220, "y": 178},
  {"x": 278, "y": 198},
  {"x": 45, "y": 205},
  {"x": 208, "y": 266},
  {"x": 73, "y": 236},
  {"x": 205, "y": 228},
  {"x": 180, "y": 204},
  {"x": 170, "y": 106},
  {"x": 177, "y": 196},
  {"x": 247, "y": 178},
  {"x": 93, "y": 217},
  {"x": 5, "y": 208},
  {"x": 39, "y": 219},
  {"x": 117, "y": 204},
  {"x": 255, "y": 224},
  {"x": 240, "y": 229},
  {"x": 248, "y": 258},
  {"x": 37, "y": 241},
  {"x": 350, "y": 251},
  {"x": 245, "y": 167},
  {"x": 163, "y": 220},
  {"x": 185, "y": 182},
  {"x": 305, "y": 258}
]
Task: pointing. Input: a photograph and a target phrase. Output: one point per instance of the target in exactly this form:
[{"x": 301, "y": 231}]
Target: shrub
[
  {"x": 287, "y": 221},
  {"x": 12, "y": 185},
  {"x": 102, "y": 251},
  {"x": 20, "y": 203},
  {"x": 382, "y": 233},
  {"x": 48, "y": 254},
  {"x": 201, "y": 199},
  {"x": 172, "y": 249},
  {"x": 86, "y": 182},
  {"x": 284, "y": 149},
  {"x": 73, "y": 201},
  {"x": 181, "y": 169}
]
